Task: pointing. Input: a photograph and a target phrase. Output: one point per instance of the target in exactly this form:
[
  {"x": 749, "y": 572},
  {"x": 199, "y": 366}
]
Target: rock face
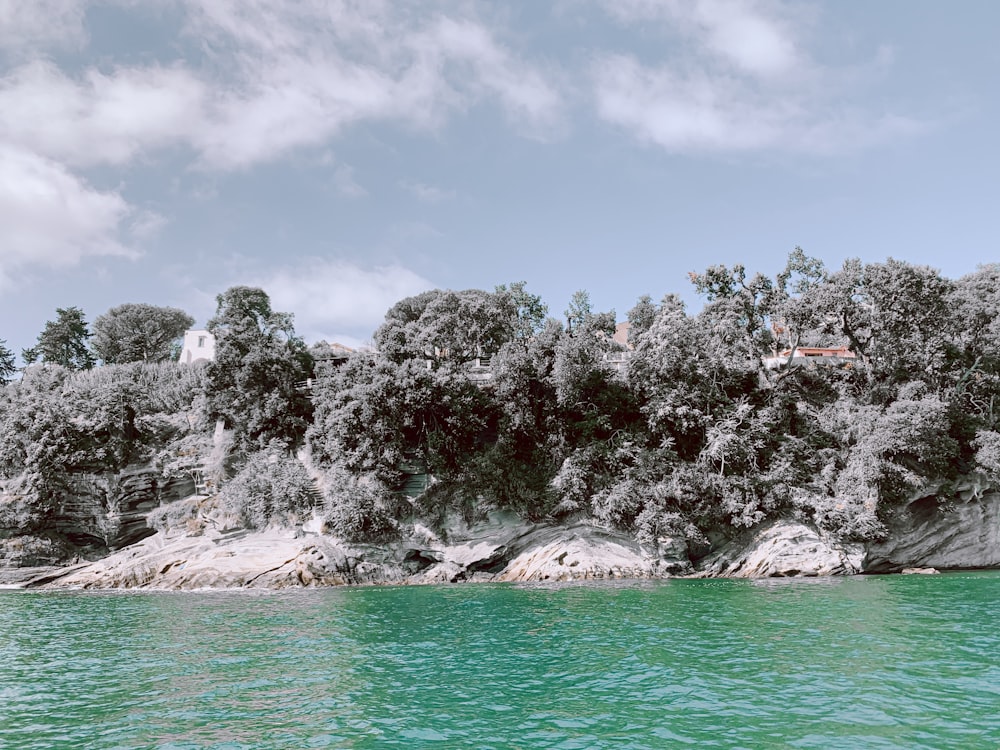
[
  {"x": 112, "y": 507},
  {"x": 223, "y": 560},
  {"x": 586, "y": 552},
  {"x": 782, "y": 549},
  {"x": 27, "y": 556},
  {"x": 507, "y": 549},
  {"x": 501, "y": 549},
  {"x": 103, "y": 511},
  {"x": 926, "y": 536},
  {"x": 964, "y": 533}
]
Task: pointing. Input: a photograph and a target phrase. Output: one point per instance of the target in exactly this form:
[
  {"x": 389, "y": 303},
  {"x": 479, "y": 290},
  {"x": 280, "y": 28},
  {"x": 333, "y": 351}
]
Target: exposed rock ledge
[
  {"x": 783, "y": 549},
  {"x": 503, "y": 549},
  {"x": 963, "y": 533},
  {"x": 926, "y": 535}
]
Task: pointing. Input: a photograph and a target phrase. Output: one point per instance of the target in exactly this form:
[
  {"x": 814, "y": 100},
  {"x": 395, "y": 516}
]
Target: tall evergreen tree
[
  {"x": 7, "y": 367},
  {"x": 258, "y": 362},
  {"x": 63, "y": 341}
]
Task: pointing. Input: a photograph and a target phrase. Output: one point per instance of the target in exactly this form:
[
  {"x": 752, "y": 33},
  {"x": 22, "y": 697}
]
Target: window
[{"x": 201, "y": 342}]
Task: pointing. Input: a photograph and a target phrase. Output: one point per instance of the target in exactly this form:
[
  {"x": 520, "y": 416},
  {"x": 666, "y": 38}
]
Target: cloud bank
[
  {"x": 244, "y": 83},
  {"x": 339, "y": 301},
  {"x": 734, "y": 77}
]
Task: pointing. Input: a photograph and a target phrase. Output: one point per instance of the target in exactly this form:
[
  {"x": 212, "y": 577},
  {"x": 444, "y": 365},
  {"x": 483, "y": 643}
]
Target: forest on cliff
[{"x": 480, "y": 400}]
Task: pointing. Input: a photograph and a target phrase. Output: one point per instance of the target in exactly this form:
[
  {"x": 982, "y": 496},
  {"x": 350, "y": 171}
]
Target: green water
[{"x": 868, "y": 662}]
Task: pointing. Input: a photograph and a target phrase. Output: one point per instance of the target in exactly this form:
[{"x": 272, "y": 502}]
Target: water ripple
[{"x": 891, "y": 662}]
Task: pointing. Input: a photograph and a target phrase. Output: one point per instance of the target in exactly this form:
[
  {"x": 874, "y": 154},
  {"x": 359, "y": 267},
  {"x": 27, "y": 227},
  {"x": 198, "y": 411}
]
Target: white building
[{"x": 199, "y": 346}]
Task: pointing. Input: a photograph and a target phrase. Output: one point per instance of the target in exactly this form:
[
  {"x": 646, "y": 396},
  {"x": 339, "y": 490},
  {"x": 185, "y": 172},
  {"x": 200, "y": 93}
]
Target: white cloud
[
  {"x": 741, "y": 81},
  {"x": 50, "y": 218},
  {"x": 145, "y": 224},
  {"x": 266, "y": 79},
  {"x": 757, "y": 43},
  {"x": 525, "y": 92},
  {"x": 274, "y": 78},
  {"x": 425, "y": 192},
  {"x": 99, "y": 118},
  {"x": 682, "y": 112},
  {"x": 297, "y": 76},
  {"x": 755, "y": 36},
  {"x": 345, "y": 184},
  {"x": 336, "y": 300},
  {"x": 28, "y": 24}
]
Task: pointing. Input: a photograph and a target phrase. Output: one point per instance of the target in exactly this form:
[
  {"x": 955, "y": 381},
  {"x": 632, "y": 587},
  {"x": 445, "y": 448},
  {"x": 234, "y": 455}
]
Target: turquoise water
[{"x": 868, "y": 662}]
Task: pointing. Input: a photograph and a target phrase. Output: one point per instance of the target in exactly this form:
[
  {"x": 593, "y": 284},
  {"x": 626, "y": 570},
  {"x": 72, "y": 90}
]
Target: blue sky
[{"x": 343, "y": 155}]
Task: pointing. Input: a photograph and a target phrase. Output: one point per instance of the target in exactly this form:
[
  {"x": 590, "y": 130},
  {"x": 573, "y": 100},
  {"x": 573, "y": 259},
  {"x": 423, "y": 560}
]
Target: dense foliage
[
  {"x": 258, "y": 363},
  {"x": 138, "y": 332},
  {"x": 478, "y": 400},
  {"x": 57, "y": 424},
  {"x": 271, "y": 488},
  {"x": 63, "y": 342},
  {"x": 695, "y": 430},
  {"x": 7, "y": 365}
]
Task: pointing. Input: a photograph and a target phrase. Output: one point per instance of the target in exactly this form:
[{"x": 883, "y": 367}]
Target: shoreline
[{"x": 505, "y": 548}]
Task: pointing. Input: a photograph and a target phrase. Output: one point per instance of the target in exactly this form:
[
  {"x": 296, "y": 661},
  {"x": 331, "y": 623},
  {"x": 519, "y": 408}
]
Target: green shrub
[
  {"x": 176, "y": 515},
  {"x": 358, "y": 509},
  {"x": 270, "y": 489}
]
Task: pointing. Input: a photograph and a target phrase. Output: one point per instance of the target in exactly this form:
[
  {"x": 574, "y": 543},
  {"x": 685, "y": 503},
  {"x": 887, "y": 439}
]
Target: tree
[
  {"x": 528, "y": 308},
  {"x": 252, "y": 383},
  {"x": 895, "y": 316},
  {"x": 641, "y": 317},
  {"x": 975, "y": 315},
  {"x": 373, "y": 415},
  {"x": 579, "y": 309},
  {"x": 738, "y": 310},
  {"x": 670, "y": 379},
  {"x": 441, "y": 326},
  {"x": 63, "y": 342},
  {"x": 136, "y": 332},
  {"x": 38, "y": 443},
  {"x": 794, "y": 314},
  {"x": 527, "y": 451},
  {"x": 7, "y": 367}
]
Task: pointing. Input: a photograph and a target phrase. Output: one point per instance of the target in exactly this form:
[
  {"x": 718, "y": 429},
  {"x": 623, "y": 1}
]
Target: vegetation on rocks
[{"x": 478, "y": 400}]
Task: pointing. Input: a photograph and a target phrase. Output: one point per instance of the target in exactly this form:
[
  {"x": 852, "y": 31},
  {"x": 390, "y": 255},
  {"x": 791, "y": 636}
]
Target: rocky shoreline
[{"x": 926, "y": 536}]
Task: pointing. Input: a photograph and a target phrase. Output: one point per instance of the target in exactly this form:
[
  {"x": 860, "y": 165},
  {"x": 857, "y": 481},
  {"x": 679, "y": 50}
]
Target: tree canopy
[
  {"x": 252, "y": 383},
  {"x": 63, "y": 341},
  {"x": 137, "y": 332},
  {"x": 7, "y": 364},
  {"x": 688, "y": 430}
]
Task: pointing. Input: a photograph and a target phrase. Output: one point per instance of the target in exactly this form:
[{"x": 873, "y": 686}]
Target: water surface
[{"x": 866, "y": 662}]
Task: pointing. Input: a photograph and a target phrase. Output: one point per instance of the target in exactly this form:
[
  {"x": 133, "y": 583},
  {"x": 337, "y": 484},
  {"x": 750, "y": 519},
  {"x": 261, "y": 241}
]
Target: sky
[{"x": 345, "y": 154}]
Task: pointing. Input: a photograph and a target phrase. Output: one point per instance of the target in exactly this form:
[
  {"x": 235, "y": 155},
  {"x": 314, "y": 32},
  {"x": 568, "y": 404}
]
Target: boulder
[
  {"x": 213, "y": 560},
  {"x": 931, "y": 533},
  {"x": 781, "y": 549},
  {"x": 586, "y": 552}
]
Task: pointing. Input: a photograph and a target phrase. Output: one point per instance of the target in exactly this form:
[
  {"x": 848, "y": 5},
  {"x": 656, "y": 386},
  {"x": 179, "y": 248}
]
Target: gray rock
[
  {"x": 444, "y": 572},
  {"x": 782, "y": 549},
  {"x": 586, "y": 552},
  {"x": 964, "y": 533}
]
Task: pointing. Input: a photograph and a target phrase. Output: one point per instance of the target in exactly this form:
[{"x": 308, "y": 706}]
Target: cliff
[
  {"x": 504, "y": 548},
  {"x": 98, "y": 513}
]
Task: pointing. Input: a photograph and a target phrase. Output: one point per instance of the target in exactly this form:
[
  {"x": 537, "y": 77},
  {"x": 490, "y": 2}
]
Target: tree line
[
  {"x": 132, "y": 332},
  {"x": 693, "y": 435}
]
